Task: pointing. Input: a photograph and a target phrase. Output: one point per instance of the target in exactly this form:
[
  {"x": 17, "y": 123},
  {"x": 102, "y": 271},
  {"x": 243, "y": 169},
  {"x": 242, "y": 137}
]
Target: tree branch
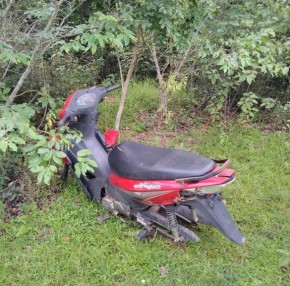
[
  {"x": 163, "y": 93},
  {"x": 6, "y": 10},
  {"x": 28, "y": 69},
  {"x": 125, "y": 85},
  {"x": 120, "y": 68},
  {"x": 181, "y": 64}
]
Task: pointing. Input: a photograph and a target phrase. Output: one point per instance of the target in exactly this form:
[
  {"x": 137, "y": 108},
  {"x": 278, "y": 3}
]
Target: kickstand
[
  {"x": 64, "y": 173},
  {"x": 164, "y": 234},
  {"x": 145, "y": 231}
]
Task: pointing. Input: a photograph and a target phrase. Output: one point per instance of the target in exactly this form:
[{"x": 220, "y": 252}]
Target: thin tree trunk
[
  {"x": 125, "y": 84},
  {"x": 6, "y": 10},
  {"x": 182, "y": 62},
  {"x": 28, "y": 69},
  {"x": 163, "y": 92}
]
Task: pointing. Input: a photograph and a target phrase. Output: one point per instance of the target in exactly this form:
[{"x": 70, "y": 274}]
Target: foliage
[
  {"x": 84, "y": 163},
  {"x": 10, "y": 164},
  {"x": 42, "y": 150},
  {"x": 240, "y": 42},
  {"x": 100, "y": 30},
  {"x": 248, "y": 104}
]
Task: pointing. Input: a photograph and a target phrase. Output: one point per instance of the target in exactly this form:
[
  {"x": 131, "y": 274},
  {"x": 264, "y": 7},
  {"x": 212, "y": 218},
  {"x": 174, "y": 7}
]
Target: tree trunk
[
  {"x": 163, "y": 92},
  {"x": 125, "y": 84},
  {"x": 5, "y": 12},
  {"x": 28, "y": 69}
]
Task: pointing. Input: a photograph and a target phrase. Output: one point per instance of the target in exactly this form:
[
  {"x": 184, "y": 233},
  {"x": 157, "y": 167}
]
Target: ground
[{"x": 62, "y": 242}]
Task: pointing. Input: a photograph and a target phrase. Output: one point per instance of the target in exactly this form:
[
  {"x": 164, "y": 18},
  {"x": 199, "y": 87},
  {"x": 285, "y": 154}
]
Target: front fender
[{"x": 211, "y": 210}]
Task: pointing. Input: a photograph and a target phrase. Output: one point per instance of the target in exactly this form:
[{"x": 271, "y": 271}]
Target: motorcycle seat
[{"x": 142, "y": 162}]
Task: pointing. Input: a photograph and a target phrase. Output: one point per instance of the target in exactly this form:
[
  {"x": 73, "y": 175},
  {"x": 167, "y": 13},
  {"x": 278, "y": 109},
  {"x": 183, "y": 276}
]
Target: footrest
[{"x": 144, "y": 232}]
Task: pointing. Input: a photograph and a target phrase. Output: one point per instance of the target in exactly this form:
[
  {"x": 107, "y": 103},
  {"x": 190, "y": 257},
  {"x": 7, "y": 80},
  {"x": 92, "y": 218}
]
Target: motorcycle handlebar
[
  {"x": 68, "y": 114},
  {"x": 111, "y": 88}
]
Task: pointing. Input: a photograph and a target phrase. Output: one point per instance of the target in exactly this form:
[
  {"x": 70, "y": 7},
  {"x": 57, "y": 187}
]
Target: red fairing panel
[
  {"x": 163, "y": 185},
  {"x": 66, "y": 104},
  {"x": 111, "y": 137},
  {"x": 165, "y": 192}
]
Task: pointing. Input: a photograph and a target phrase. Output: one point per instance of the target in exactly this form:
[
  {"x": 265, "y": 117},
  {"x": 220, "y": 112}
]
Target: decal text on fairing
[{"x": 147, "y": 186}]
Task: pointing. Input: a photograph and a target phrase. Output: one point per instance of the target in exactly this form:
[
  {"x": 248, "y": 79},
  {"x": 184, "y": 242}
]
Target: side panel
[
  {"x": 122, "y": 196},
  {"x": 93, "y": 182},
  {"x": 163, "y": 185}
]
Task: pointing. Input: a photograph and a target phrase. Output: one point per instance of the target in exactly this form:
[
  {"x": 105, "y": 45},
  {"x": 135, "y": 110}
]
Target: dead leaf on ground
[
  {"x": 163, "y": 271},
  {"x": 66, "y": 238}
]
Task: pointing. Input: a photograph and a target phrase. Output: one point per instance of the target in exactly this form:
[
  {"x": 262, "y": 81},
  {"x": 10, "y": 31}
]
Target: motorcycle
[{"x": 167, "y": 191}]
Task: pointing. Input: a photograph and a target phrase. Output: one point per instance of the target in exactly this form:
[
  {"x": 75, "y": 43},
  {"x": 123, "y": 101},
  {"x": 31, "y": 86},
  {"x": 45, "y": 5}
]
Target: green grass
[
  {"x": 63, "y": 244},
  {"x": 142, "y": 99}
]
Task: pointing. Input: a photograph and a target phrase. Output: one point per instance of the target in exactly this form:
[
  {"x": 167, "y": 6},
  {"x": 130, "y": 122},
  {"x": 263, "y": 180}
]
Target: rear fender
[{"x": 211, "y": 210}]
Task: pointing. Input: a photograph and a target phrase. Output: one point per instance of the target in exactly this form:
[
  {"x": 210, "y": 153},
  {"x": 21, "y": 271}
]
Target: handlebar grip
[{"x": 111, "y": 88}]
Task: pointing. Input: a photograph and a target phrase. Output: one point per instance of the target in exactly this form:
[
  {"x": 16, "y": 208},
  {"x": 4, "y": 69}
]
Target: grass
[
  {"x": 63, "y": 244},
  {"x": 142, "y": 99}
]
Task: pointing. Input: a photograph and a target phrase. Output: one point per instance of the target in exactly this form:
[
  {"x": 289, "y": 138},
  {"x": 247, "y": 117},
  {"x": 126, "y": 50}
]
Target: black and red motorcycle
[{"x": 167, "y": 191}]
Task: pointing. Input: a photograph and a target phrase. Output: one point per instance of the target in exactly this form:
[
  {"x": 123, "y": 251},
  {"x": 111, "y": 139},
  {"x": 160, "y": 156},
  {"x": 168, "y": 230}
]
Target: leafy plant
[
  {"x": 268, "y": 103},
  {"x": 4, "y": 92},
  {"x": 248, "y": 104},
  {"x": 42, "y": 149},
  {"x": 84, "y": 163}
]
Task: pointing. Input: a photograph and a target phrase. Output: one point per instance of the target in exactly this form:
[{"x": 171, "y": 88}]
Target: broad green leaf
[
  {"x": 18, "y": 140},
  {"x": 6, "y": 90},
  {"x": 28, "y": 148},
  {"x": 93, "y": 163},
  {"x": 12, "y": 146},
  {"x": 77, "y": 170},
  {"x": 36, "y": 169},
  {"x": 53, "y": 168},
  {"x": 46, "y": 177},
  {"x": 42, "y": 151},
  {"x": 84, "y": 153},
  {"x": 40, "y": 176},
  {"x": 48, "y": 156},
  {"x": 57, "y": 160},
  {"x": 32, "y": 134},
  {"x": 3, "y": 146},
  {"x": 60, "y": 154},
  {"x": 94, "y": 49}
]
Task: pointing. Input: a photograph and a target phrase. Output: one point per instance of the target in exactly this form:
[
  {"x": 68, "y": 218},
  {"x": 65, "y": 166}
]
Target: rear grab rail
[{"x": 224, "y": 162}]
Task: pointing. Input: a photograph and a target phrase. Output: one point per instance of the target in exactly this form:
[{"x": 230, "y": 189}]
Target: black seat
[{"x": 142, "y": 162}]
